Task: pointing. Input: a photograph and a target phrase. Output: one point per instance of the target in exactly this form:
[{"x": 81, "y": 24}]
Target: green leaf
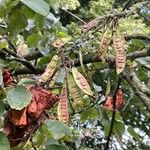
[
  {"x": 26, "y": 81},
  {"x": 2, "y": 2},
  {"x": 18, "y": 97},
  {"x": 1, "y": 77},
  {"x": 134, "y": 134},
  {"x": 33, "y": 39},
  {"x": 2, "y": 108},
  {"x": 38, "y": 6},
  {"x": 16, "y": 21},
  {"x": 89, "y": 114},
  {"x": 118, "y": 128},
  {"x": 56, "y": 147},
  {"x": 4, "y": 143},
  {"x": 3, "y": 44},
  {"x": 58, "y": 129}
]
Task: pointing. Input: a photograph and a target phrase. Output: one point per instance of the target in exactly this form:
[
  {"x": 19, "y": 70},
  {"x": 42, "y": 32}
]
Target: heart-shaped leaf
[{"x": 18, "y": 97}]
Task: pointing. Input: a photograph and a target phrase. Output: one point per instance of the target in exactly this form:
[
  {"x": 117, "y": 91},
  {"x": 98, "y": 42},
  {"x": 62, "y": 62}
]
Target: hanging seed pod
[
  {"x": 88, "y": 26},
  {"x": 119, "y": 99},
  {"x": 119, "y": 46},
  {"x": 74, "y": 91},
  {"x": 105, "y": 42},
  {"x": 52, "y": 66},
  {"x": 109, "y": 103},
  {"x": 62, "y": 111},
  {"x": 81, "y": 82},
  {"x": 53, "y": 81}
]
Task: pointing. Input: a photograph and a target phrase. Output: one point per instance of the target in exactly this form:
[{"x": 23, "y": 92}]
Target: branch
[
  {"x": 21, "y": 60},
  {"x": 90, "y": 58},
  {"x": 33, "y": 55},
  {"x": 145, "y": 99},
  {"x": 141, "y": 86},
  {"x": 137, "y": 36}
]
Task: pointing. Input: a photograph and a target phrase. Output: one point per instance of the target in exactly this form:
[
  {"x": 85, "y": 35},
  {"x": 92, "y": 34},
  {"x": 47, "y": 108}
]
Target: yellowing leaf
[
  {"x": 52, "y": 66},
  {"x": 119, "y": 46},
  {"x": 81, "y": 82},
  {"x": 74, "y": 91},
  {"x": 62, "y": 110}
]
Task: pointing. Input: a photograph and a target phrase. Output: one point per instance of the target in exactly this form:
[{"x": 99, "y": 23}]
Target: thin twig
[
  {"x": 74, "y": 15},
  {"x": 113, "y": 114}
]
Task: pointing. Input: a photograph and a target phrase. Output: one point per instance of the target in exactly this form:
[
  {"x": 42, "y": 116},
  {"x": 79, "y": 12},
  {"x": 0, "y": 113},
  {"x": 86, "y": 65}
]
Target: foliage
[{"x": 74, "y": 74}]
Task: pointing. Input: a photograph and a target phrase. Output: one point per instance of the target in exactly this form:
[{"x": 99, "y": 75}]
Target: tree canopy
[{"x": 74, "y": 74}]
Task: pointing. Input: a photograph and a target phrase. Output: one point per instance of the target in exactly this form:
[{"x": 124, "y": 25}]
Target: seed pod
[
  {"x": 81, "y": 82},
  {"x": 53, "y": 81},
  {"x": 106, "y": 39},
  {"x": 52, "y": 66},
  {"x": 90, "y": 25},
  {"x": 109, "y": 103},
  {"x": 119, "y": 46},
  {"x": 119, "y": 99},
  {"x": 62, "y": 110},
  {"x": 74, "y": 91}
]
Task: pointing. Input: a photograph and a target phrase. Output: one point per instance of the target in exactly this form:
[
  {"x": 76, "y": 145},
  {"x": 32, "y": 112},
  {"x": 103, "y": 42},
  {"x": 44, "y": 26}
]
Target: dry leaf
[
  {"x": 58, "y": 43},
  {"x": 63, "y": 114},
  {"x": 7, "y": 78},
  {"x": 81, "y": 82},
  {"x": 119, "y": 46},
  {"x": 18, "y": 117},
  {"x": 52, "y": 66},
  {"x": 22, "y": 49}
]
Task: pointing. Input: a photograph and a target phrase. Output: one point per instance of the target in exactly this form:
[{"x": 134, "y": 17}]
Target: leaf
[
  {"x": 2, "y": 93},
  {"x": 62, "y": 111},
  {"x": 108, "y": 87},
  {"x": 19, "y": 118},
  {"x": 18, "y": 97},
  {"x": 16, "y": 21},
  {"x": 51, "y": 67},
  {"x": 2, "y": 108},
  {"x": 58, "y": 129},
  {"x": 56, "y": 147},
  {"x": 25, "y": 81},
  {"x": 2, "y": 2},
  {"x": 33, "y": 39},
  {"x": 118, "y": 128},
  {"x": 81, "y": 82},
  {"x": 1, "y": 77},
  {"x": 134, "y": 134},
  {"x": 74, "y": 91},
  {"x": 58, "y": 43},
  {"x": 119, "y": 46},
  {"x": 4, "y": 143},
  {"x": 89, "y": 114},
  {"x": 39, "y": 6},
  {"x": 3, "y": 43}
]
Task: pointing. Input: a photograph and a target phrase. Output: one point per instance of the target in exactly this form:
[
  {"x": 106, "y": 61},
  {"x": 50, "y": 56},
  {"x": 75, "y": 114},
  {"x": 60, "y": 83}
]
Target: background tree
[{"x": 74, "y": 74}]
